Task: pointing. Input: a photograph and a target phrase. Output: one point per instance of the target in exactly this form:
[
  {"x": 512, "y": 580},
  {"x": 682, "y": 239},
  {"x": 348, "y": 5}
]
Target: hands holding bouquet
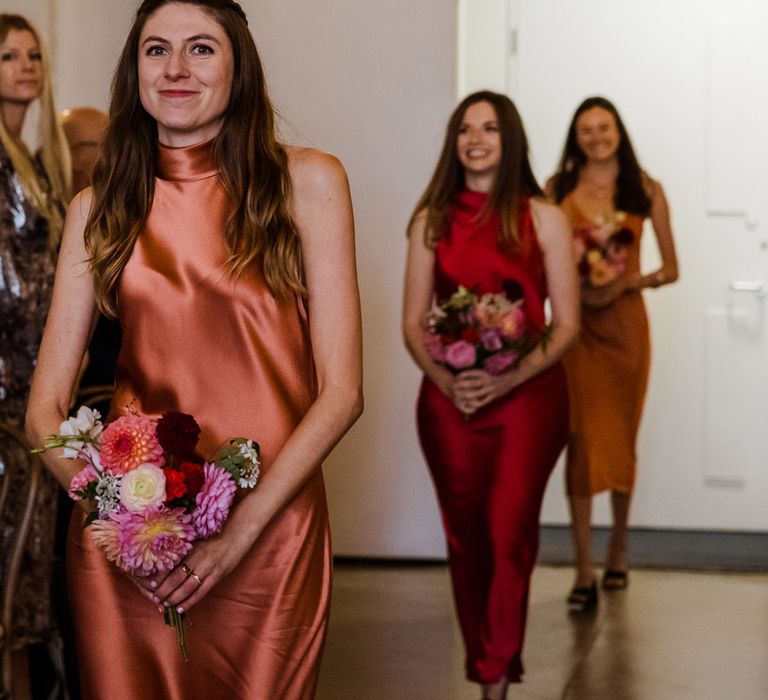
[
  {"x": 481, "y": 339},
  {"x": 150, "y": 498},
  {"x": 601, "y": 254}
]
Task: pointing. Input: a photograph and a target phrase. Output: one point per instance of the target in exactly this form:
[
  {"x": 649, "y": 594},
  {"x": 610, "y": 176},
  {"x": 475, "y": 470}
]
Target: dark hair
[
  {"x": 514, "y": 176},
  {"x": 253, "y": 167},
  {"x": 631, "y": 194}
]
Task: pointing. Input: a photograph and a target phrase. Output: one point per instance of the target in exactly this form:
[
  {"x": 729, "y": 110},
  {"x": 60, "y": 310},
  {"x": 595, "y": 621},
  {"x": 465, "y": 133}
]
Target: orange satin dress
[
  {"x": 607, "y": 371},
  {"x": 240, "y": 361}
]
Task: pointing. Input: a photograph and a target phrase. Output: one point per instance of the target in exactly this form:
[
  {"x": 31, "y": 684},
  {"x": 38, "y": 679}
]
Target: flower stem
[{"x": 176, "y": 620}]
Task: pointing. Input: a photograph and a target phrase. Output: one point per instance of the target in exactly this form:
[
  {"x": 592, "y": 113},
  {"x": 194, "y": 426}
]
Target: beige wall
[{"x": 373, "y": 83}]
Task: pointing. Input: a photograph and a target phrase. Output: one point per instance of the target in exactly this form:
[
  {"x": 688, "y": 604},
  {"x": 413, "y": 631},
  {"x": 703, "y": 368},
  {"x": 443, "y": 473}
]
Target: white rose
[{"x": 143, "y": 488}]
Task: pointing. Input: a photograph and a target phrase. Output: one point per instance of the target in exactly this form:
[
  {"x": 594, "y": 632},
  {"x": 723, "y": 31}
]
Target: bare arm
[
  {"x": 662, "y": 227},
  {"x": 65, "y": 340},
  {"x": 554, "y": 234},
  {"x": 322, "y": 210}
]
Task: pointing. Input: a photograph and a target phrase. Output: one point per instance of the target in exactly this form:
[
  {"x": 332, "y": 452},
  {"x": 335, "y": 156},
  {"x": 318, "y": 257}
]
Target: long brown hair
[
  {"x": 631, "y": 195},
  {"x": 514, "y": 176},
  {"x": 49, "y": 195},
  {"x": 253, "y": 168}
]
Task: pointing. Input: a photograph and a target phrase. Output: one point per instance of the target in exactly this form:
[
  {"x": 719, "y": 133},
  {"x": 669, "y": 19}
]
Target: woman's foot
[
  {"x": 615, "y": 580},
  {"x": 583, "y": 598},
  {"x": 495, "y": 691}
]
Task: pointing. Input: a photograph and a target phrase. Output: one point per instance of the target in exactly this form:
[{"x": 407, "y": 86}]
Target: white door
[{"x": 690, "y": 79}]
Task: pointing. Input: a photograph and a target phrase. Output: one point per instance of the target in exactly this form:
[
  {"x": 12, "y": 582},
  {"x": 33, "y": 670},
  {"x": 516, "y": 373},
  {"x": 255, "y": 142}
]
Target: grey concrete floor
[{"x": 670, "y": 636}]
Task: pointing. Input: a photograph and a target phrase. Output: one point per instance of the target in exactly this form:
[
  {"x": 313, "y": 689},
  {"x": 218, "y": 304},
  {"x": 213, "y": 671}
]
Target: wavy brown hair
[
  {"x": 631, "y": 194},
  {"x": 514, "y": 177},
  {"x": 50, "y": 194},
  {"x": 253, "y": 168}
]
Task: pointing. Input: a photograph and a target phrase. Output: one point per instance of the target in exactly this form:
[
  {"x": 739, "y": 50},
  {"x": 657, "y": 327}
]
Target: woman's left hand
[
  {"x": 207, "y": 563},
  {"x": 475, "y": 388}
]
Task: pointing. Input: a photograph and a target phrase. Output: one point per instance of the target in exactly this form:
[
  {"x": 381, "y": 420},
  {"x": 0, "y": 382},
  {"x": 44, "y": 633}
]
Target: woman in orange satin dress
[
  {"x": 229, "y": 260},
  {"x": 607, "y": 198},
  {"x": 491, "y": 440}
]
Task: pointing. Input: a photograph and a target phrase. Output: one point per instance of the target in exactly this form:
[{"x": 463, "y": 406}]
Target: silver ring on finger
[{"x": 193, "y": 575}]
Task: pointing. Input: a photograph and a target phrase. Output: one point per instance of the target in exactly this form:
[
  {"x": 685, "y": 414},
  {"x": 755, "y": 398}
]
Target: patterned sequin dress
[{"x": 26, "y": 282}]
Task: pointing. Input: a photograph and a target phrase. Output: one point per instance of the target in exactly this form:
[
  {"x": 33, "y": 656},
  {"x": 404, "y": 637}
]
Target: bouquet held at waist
[
  {"x": 151, "y": 495},
  {"x": 491, "y": 332},
  {"x": 601, "y": 249}
]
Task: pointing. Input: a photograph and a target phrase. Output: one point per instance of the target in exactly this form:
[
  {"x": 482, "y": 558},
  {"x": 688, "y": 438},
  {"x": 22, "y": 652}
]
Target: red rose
[
  {"x": 177, "y": 433},
  {"x": 194, "y": 477},
  {"x": 470, "y": 335},
  {"x": 175, "y": 486}
]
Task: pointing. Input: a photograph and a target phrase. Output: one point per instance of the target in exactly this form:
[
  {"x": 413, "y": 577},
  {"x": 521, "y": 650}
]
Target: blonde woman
[{"x": 33, "y": 194}]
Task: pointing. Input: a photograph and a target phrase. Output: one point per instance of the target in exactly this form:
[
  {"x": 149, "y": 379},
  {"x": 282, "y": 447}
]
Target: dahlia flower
[
  {"x": 105, "y": 535},
  {"x": 129, "y": 442},
  {"x": 155, "y": 540},
  {"x": 213, "y": 501}
]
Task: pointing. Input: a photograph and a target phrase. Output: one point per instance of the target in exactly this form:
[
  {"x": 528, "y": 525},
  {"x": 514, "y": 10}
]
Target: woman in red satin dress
[
  {"x": 491, "y": 441},
  {"x": 229, "y": 260}
]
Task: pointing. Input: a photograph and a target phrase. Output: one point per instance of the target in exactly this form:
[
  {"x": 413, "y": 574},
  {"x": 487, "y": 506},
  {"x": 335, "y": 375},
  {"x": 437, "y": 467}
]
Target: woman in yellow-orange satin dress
[{"x": 607, "y": 197}]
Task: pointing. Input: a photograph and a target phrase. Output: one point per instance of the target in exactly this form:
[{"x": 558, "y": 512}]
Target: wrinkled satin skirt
[{"x": 258, "y": 634}]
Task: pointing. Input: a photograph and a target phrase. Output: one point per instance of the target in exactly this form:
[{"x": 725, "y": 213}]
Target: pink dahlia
[
  {"x": 129, "y": 442},
  {"x": 80, "y": 480},
  {"x": 213, "y": 501},
  {"x": 154, "y": 541},
  {"x": 105, "y": 535}
]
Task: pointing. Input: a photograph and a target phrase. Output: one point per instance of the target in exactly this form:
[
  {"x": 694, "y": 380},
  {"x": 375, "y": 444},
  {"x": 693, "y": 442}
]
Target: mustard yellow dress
[{"x": 607, "y": 371}]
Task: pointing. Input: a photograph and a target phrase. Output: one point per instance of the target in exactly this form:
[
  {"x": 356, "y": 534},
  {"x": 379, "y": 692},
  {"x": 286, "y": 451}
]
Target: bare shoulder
[
  {"x": 314, "y": 173},
  {"x": 547, "y": 215},
  {"x": 80, "y": 205},
  {"x": 652, "y": 187}
]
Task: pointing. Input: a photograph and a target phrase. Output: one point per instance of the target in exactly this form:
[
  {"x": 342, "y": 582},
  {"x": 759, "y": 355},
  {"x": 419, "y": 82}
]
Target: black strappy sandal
[
  {"x": 583, "y": 598},
  {"x": 615, "y": 580}
]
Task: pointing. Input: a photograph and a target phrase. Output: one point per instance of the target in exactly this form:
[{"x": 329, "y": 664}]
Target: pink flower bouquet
[
  {"x": 489, "y": 332},
  {"x": 601, "y": 250},
  {"x": 152, "y": 496}
]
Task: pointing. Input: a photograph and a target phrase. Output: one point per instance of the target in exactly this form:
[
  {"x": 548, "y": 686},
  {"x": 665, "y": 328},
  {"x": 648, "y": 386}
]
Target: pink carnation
[
  {"x": 460, "y": 354},
  {"x": 80, "y": 480},
  {"x": 155, "y": 540},
  {"x": 129, "y": 442},
  {"x": 213, "y": 501},
  {"x": 496, "y": 364}
]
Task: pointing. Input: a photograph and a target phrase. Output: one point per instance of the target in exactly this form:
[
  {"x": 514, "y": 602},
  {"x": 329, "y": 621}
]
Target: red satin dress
[
  {"x": 240, "y": 361},
  {"x": 490, "y": 471}
]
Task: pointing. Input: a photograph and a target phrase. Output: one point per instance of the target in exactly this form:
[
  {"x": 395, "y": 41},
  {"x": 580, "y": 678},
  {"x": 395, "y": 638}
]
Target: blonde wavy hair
[
  {"x": 48, "y": 196},
  {"x": 253, "y": 167}
]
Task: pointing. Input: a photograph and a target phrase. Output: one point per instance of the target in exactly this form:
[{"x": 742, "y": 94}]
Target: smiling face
[
  {"x": 185, "y": 73},
  {"x": 478, "y": 145},
  {"x": 597, "y": 134},
  {"x": 21, "y": 68}
]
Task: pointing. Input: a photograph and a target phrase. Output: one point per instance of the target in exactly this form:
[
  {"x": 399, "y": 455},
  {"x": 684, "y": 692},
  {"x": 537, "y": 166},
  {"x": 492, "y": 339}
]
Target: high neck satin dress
[
  {"x": 607, "y": 370},
  {"x": 490, "y": 471},
  {"x": 240, "y": 361}
]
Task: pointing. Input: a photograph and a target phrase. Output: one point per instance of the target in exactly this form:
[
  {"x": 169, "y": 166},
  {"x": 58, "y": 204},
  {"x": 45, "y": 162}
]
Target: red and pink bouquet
[
  {"x": 601, "y": 250},
  {"x": 489, "y": 332},
  {"x": 152, "y": 495}
]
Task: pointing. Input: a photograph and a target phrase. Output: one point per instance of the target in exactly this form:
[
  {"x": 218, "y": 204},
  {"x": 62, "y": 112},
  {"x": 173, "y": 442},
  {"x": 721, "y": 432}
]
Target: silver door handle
[{"x": 757, "y": 288}]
